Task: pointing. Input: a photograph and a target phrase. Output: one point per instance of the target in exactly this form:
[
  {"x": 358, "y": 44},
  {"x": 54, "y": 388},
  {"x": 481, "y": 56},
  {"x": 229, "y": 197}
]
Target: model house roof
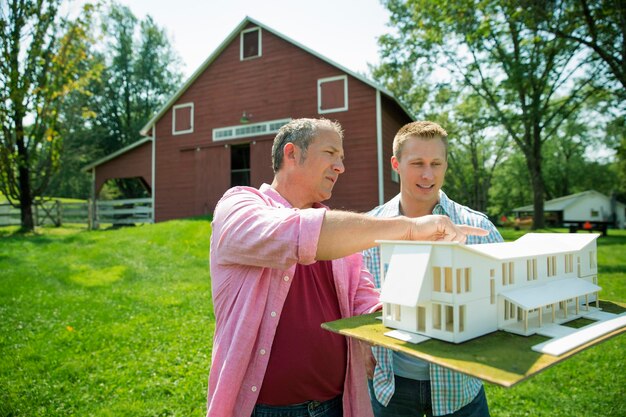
[
  {"x": 535, "y": 244},
  {"x": 549, "y": 293},
  {"x": 144, "y": 131},
  {"x": 405, "y": 275},
  {"x": 531, "y": 244}
]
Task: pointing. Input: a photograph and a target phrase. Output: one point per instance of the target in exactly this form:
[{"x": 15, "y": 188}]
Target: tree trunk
[
  {"x": 536, "y": 179},
  {"x": 26, "y": 199}
]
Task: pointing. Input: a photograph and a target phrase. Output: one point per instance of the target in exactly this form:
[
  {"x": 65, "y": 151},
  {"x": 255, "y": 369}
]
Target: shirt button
[
  {"x": 285, "y": 278},
  {"x": 262, "y": 351},
  {"x": 273, "y": 314},
  {"x": 254, "y": 388}
]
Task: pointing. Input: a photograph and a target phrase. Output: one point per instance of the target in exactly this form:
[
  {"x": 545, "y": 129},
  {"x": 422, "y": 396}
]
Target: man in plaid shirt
[{"x": 404, "y": 386}]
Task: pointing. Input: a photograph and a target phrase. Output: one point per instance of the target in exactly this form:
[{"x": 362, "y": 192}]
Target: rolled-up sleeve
[{"x": 251, "y": 231}]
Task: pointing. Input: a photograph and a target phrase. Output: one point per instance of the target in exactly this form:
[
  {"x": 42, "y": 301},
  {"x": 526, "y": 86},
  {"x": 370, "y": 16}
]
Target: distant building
[
  {"x": 589, "y": 206},
  {"x": 456, "y": 292},
  {"x": 217, "y": 130}
]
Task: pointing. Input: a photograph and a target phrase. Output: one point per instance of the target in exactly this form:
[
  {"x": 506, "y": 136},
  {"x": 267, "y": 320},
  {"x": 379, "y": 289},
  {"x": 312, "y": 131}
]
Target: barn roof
[
  {"x": 117, "y": 153},
  {"x": 229, "y": 39}
]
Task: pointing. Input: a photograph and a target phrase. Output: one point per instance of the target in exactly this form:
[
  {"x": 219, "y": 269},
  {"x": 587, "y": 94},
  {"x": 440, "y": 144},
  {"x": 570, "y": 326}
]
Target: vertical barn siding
[
  {"x": 393, "y": 118},
  {"x": 280, "y": 84},
  {"x": 134, "y": 163},
  {"x": 261, "y": 162}
]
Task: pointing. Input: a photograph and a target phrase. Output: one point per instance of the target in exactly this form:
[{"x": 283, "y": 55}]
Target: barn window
[
  {"x": 250, "y": 41},
  {"x": 182, "y": 119},
  {"x": 240, "y": 165},
  {"x": 332, "y": 94}
]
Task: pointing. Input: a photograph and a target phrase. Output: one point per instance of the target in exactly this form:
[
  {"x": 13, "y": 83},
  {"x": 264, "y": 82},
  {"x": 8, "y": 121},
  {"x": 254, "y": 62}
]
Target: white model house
[{"x": 456, "y": 292}]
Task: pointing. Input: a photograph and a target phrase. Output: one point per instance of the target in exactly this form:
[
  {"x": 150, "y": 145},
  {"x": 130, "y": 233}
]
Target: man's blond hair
[{"x": 421, "y": 130}]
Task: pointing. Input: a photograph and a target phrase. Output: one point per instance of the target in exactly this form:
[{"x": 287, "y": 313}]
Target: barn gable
[{"x": 217, "y": 130}]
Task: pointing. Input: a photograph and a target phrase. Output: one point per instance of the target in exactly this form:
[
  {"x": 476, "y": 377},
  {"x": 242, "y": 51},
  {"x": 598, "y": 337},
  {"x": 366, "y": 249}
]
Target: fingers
[
  {"x": 471, "y": 230},
  {"x": 459, "y": 233}
]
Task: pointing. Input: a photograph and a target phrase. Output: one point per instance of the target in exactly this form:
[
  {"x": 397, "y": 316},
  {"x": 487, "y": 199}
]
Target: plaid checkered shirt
[{"x": 450, "y": 390}]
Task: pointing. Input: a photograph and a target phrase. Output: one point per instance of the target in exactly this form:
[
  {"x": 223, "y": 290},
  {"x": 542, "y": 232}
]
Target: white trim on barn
[
  {"x": 379, "y": 149},
  {"x": 248, "y": 131},
  {"x": 241, "y": 44},
  {"x": 180, "y": 106},
  {"x": 345, "y": 94}
]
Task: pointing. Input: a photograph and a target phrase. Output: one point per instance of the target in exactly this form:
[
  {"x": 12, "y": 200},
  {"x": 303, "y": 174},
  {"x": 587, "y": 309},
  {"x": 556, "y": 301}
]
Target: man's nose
[{"x": 338, "y": 166}]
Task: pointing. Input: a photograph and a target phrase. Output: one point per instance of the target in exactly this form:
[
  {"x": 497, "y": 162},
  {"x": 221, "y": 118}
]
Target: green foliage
[
  {"x": 105, "y": 323},
  {"x": 527, "y": 82},
  {"x": 43, "y": 62},
  {"x": 140, "y": 71}
]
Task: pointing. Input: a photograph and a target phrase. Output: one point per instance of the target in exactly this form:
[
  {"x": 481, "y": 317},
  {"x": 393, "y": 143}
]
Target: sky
[{"x": 344, "y": 31}]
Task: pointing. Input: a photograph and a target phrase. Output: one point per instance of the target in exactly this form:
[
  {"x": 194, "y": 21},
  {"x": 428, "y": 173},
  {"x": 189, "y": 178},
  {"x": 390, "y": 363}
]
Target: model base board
[{"x": 500, "y": 358}]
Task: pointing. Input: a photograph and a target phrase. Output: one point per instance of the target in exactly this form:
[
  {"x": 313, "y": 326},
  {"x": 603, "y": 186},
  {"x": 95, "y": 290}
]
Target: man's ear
[
  {"x": 290, "y": 152},
  {"x": 394, "y": 163}
]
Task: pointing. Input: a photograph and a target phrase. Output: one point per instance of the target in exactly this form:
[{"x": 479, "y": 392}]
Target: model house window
[
  {"x": 240, "y": 165},
  {"x": 395, "y": 314},
  {"x": 436, "y": 279},
  {"x": 461, "y": 318},
  {"x": 332, "y": 94},
  {"x": 569, "y": 263},
  {"x": 551, "y": 260},
  {"x": 592, "y": 259},
  {"x": 437, "y": 316},
  {"x": 182, "y": 119},
  {"x": 421, "y": 319},
  {"x": 505, "y": 274},
  {"x": 511, "y": 273},
  {"x": 458, "y": 280},
  {"x": 448, "y": 278},
  {"x": 492, "y": 295},
  {"x": 594, "y": 213},
  {"x": 449, "y": 319},
  {"x": 468, "y": 279},
  {"x": 250, "y": 43},
  {"x": 531, "y": 269}
]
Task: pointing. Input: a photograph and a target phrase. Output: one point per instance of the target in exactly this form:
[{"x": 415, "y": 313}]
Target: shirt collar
[
  {"x": 443, "y": 206},
  {"x": 275, "y": 195}
]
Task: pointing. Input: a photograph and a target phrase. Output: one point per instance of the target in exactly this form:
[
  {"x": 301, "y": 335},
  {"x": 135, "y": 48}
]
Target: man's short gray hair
[{"x": 300, "y": 132}]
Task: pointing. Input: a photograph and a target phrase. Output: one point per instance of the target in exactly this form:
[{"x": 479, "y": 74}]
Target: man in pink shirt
[{"x": 282, "y": 264}]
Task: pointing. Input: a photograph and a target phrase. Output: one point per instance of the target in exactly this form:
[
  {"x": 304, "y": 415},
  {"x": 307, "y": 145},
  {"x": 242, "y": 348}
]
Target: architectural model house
[{"x": 456, "y": 292}]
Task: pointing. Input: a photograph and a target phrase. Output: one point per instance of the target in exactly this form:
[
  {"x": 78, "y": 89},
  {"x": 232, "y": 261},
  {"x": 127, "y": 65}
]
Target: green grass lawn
[{"x": 120, "y": 323}]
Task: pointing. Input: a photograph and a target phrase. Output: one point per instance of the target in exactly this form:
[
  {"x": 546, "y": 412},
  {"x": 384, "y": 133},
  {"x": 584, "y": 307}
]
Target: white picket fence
[
  {"x": 55, "y": 212},
  {"x": 137, "y": 210}
]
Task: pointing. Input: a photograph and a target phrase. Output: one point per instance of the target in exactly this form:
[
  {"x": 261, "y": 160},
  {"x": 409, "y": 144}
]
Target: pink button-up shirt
[{"x": 257, "y": 240}]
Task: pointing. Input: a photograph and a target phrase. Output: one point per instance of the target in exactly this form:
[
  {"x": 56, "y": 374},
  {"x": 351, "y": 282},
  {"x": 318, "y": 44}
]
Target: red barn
[{"x": 217, "y": 130}]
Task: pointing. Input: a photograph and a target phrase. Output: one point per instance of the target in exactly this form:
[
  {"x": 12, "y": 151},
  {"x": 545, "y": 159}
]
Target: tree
[
  {"x": 599, "y": 25},
  {"x": 140, "y": 72},
  {"x": 530, "y": 80},
  {"x": 42, "y": 56},
  {"x": 476, "y": 151}
]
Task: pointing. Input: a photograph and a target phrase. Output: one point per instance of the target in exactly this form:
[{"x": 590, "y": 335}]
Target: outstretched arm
[{"x": 344, "y": 233}]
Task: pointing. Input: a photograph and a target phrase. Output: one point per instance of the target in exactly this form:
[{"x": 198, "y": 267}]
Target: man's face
[
  {"x": 317, "y": 172},
  {"x": 422, "y": 169}
]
